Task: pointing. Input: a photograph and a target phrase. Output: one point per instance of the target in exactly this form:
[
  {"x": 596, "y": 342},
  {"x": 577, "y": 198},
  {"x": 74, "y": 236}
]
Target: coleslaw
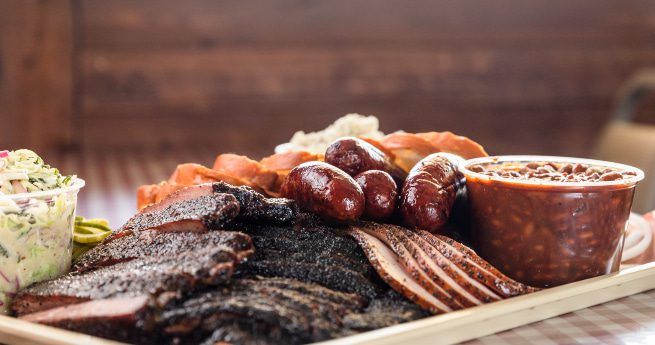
[{"x": 37, "y": 211}]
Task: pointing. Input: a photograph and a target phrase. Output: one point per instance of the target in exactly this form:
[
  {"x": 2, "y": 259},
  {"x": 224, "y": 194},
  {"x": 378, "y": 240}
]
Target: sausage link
[
  {"x": 325, "y": 190},
  {"x": 355, "y": 156},
  {"x": 380, "y": 192},
  {"x": 429, "y": 193}
]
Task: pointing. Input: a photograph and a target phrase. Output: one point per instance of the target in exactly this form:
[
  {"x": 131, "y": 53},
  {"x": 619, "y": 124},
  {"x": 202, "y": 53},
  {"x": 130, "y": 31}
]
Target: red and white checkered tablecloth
[
  {"x": 112, "y": 178},
  {"x": 629, "y": 320}
]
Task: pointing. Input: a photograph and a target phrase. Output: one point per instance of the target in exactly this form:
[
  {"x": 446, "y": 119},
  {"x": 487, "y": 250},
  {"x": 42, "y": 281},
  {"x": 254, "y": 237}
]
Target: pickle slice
[
  {"x": 86, "y": 238},
  {"x": 90, "y": 231}
]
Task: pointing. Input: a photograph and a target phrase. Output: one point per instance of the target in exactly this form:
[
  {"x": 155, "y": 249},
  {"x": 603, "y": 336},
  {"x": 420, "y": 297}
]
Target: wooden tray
[{"x": 450, "y": 328}]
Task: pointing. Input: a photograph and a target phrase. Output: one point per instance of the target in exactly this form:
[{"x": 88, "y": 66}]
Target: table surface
[{"x": 112, "y": 178}]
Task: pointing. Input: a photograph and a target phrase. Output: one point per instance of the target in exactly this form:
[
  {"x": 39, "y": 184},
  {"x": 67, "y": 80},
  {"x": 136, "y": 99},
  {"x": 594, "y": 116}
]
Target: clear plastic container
[
  {"x": 546, "y": 233},
  {"x": 36, "y": 237}
]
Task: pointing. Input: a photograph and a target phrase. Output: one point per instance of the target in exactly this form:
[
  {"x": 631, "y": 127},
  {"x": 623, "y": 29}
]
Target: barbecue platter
[{"x": 339, "y": 233}]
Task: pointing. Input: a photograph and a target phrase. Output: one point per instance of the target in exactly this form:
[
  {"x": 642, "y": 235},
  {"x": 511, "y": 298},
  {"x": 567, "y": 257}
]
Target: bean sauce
[
  {"x": 551, "y": 171},
  {"x": 529, "y": 222}
]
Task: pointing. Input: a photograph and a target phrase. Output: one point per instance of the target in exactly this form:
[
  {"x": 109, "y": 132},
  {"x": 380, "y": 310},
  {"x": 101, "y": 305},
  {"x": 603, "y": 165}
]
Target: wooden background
[{"x": 518, "y": 76}]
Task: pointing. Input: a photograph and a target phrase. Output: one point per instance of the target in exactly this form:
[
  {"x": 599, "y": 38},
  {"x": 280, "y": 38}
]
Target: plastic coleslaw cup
[{"x": 36, "y": 237}]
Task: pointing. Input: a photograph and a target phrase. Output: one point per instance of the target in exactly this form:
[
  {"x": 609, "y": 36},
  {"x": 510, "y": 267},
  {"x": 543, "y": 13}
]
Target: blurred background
[{"x": 119, "y": 92}]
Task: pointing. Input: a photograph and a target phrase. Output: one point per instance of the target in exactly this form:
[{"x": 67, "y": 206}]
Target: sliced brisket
[
  {"x": 121, "y": 318},
  {"x": 387, "y": 310},
  {"x": 312, "y": 252},
  {"x": 210, "y": 206},
  {"x": 162, "y": 277},
  {"x": 257, "y": 208},
  {"x": 201, "y": 213},
  {"x": 153, "y": 243},
  {"x": 286, "y": 310}
]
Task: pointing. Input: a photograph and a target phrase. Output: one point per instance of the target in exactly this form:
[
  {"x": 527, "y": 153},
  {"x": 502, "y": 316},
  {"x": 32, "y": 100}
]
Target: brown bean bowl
[{"x": 548, "y": 233}]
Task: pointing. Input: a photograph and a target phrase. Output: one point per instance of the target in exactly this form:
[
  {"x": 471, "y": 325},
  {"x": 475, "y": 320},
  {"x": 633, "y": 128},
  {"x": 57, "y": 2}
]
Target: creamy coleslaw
[{"x": 37, "y": 211}]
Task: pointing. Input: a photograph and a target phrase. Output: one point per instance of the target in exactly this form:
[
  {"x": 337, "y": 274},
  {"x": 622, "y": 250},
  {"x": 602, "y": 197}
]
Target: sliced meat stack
[
  {"x": 161, "y": 255},
  {"x": 122, "y": 301},
  {"x": 435, "y": 272}
]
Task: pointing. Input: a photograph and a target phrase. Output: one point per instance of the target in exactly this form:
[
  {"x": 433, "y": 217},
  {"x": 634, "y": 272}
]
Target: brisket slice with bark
[
  {"x": 280, "y": 311},
  {"x": 200, "y": 213},
  {"x": 285, "y": 310},
  {"x": 122, "y": 318},
  {"x": 308, "y": 241},
  {"x": 156, "y": 243},
  {"x": 161, "y": 277},
  {"x": 312, "y": 252},
  {"x": 209, "y": 206},
  {"x": 387, "y": 310},
  {"x": 255, "y": 207}
]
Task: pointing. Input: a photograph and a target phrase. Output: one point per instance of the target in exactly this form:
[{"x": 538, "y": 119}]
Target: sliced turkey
[
  {"x": 391, "y": 270},
  {"x": 436, "y": 272}
]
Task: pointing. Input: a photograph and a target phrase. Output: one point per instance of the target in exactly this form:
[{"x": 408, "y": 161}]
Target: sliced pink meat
[
  {"x": 122, "y": 317},
  {"x": 470, "y": 292},
  {"x": 105, "y": 308},
  {"x": 476, "y": 267},
  {"x": 391, "y": 270},
  {"x": 456, "y": 276},
  {"x": 411, "y": 266},
  {"x": 428, "y": 269}
]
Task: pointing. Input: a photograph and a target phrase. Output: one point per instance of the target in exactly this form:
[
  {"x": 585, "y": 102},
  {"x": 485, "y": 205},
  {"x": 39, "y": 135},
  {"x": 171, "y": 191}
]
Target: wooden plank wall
[
  {"x": 36, "y": 74},
  {"x": 520, "y": 77}
]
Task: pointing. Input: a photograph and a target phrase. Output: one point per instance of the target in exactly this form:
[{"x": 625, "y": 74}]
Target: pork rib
[
  {"x": 311, "y": 252},
  {"x": 333, "y": 277}
]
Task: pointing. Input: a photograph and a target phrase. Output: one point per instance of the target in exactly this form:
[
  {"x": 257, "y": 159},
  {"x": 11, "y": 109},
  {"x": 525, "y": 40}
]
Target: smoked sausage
[
  {"x": 380, "y": 192},
  {"x": 429, "y": 193},
  {"x": 325, "y": 190},
  {"x": 355, "y": 156}
]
